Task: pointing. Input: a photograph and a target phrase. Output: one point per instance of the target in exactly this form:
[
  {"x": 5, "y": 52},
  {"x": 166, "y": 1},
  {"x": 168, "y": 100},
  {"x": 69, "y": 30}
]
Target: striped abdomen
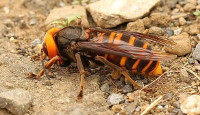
[{"x": 146, "y": 67}]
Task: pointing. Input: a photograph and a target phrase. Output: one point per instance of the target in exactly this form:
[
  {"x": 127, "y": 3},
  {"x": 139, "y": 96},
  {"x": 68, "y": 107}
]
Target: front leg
[
  {"x": 48, "y": 65},
  {"x": 82, "y": 72}
]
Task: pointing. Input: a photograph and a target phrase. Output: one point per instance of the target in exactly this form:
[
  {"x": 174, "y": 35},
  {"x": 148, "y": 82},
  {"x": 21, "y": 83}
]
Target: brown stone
[
  {"x": 189, "y": 7},
  {"x": 137, "y": 26},
  {"x": 182, "y": 46},
  {"x": 110, "y": 13},
  {"x": 160, "y": 19},
  {"x": 63, "y": 13}
]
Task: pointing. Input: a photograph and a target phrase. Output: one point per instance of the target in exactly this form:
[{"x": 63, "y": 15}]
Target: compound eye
[{"x": 44, "y": 48}]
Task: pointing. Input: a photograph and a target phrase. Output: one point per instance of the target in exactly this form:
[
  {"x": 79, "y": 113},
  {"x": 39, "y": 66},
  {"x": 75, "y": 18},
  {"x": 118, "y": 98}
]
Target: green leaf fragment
[
  {"x": 65, "y": 22},
  {"x": 73, "y": 17},
  {"x": 197, "y": 13}
]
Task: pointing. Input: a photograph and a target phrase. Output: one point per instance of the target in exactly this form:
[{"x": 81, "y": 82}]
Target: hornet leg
[
  {"x": 118, "y": 69},
  {"x": 48, "y": 65},
  {"x": 82, "y": 72}
]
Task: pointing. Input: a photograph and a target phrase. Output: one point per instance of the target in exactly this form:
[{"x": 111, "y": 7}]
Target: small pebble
[
  {"x": 184, "y": 59},
  {"x": 131, "y": 107},
  {"x": 115, "y": 98},
  {"x": 191, "y": 1},
  {"x": 160, "y": 107},
  {"x": 182, "y": 46},
  {"x": 136, "y": 94},
  {"x": 146, "y": 21},
  {"x": 37, "y": 48},
  {"x": 145, "y": 80},
  {"x": 189, "y": 7},
  {"x": 138, "y": 109},
  {"x": 178, "y": 111},
  {"x": 21, "y": 51},
  {"x": 191, "y": 60},
  {"x": 160, "y": 19},
  {"x": 12, "y": 39},
  {"x": 140, "y": 83},
  {"x": 175, "y": 110},
  {"x": 127, "y": 89},
  {"x": 116, "y": 108},
  {"x": 168, "y": 96},
  {"x": 13, "y": 51},
  {"x": 119, "y": 84},
  {"x": 33, "y": 21},
  {"x": 169, "y": 32},
  {"x": 182, "y": 21},
  {"x": 105, "y": 87},
  {"x": 35, "y": 42},
  {"x": 163, "y": 104},
  {"x": 156, "y": 31},
  {"x": 194, "y": 29},
  {"x": 136, "y": 26},
  {"x": 62, "y": 4},
  {"x": 22, "y": 24},
  {"x": 6, "y": 10},
  {"x": 172, "y": 3},
  {"x": 182, "y": 3},
  {"x": 184, "y": 76},
  {"x": 176, "y": 104},
  {"x": 193, "y": 69},
  {"x": 177, "y": 31},
  {"x": 176, "y": 23},
  {"x": 196, "y": 54}
]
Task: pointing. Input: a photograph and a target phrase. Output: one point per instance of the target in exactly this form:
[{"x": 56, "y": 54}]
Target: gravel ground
[{"x": 21, "y": 29}]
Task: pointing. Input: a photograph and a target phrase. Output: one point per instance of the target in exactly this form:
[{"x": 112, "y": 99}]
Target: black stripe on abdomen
[
  {"x": 152, "y": 66},
  {"x": 141, "y": 65},
  {"x": 125, "y": 38},
  {"x": 129, "y": 63}
]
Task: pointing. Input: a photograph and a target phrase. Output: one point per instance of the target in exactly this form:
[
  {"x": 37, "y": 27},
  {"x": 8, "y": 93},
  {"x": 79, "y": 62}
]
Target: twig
[
  {"x": 192, "y": 73},
  {"x": 156, "y": 79},
  {"x": 152, "y": 105},
  {"x": 178, "y": 16},
  {"x": 178, "y": 91}
]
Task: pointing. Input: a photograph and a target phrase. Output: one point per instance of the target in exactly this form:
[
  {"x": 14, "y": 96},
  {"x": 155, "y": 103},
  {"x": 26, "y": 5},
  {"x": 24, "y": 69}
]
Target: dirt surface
[
  {"x": 21, "y": 22},
  {"x": 54, "y": 96}
]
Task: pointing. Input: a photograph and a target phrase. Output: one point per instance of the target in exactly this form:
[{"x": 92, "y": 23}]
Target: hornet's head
[
  {"x": 62, "y": 42},
  {"x": 66, "y": 40}
]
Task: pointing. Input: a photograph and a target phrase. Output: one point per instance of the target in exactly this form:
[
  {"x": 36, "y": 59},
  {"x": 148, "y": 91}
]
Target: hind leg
[
  {"x": 118, "y": 70},
  {"x": 82, "y": 72}
]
